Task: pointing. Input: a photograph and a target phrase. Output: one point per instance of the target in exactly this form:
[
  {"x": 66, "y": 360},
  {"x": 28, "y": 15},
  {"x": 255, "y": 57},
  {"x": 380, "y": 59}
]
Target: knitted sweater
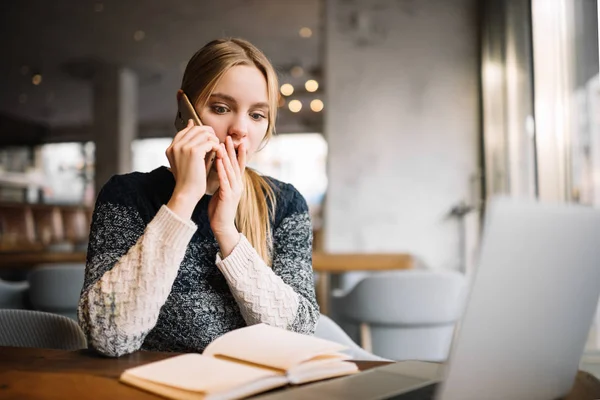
[{"x": 155, "y": 281}]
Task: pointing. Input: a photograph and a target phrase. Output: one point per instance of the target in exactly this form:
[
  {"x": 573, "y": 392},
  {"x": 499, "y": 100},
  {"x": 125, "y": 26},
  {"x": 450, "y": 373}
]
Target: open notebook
[{"x": 241, "y": 363}]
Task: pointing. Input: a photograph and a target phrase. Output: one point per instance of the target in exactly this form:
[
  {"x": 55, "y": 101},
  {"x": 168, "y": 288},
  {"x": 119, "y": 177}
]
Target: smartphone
[{"x": 185, "y": 112}]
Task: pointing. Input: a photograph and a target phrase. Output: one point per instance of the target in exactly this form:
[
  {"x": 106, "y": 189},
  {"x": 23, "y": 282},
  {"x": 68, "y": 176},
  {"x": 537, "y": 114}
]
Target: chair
[
  {"x": 28, "y": 328},
  {"x": 13, "y": 294},
  {"x": 56, "y": 288},
  {"x": 408, "y": 315},
  {"x": 329, "y": 330}
]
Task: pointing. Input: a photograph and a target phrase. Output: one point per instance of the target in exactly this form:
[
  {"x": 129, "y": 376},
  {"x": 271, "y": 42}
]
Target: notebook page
[
  {"x": 195, "y": 372},
  {"x": 270, "y": 346},
  {"x": 320, "y": 361},
  {"x": 324, "y": 371}
]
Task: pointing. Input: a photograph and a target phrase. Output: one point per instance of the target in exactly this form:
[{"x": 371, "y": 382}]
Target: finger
[
  {"x": 232, "y": 155},
  {"x": 182, "y": 133},
  {"x": 223, "y": 180},
  {"x": 209, "y": 129},
  {"x": 197, "y": 134},
  {"x": 178, "y": 137},
  {"x": 205, "y": 131},
  {"x": 200, "y": 146},
  {"x": 203, "y": 151},
  {"x": 221, "y": 153},
  {"x": 242, "y": 158},
  {"x": 183, "y": 137},
  {"x": 211, "y": 146},
  {"x": 231, "y": 174},
  {"x": 192, "y": 144}
]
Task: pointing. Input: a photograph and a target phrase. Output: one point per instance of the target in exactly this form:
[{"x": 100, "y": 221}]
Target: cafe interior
[{"x": 398, "y": 122}]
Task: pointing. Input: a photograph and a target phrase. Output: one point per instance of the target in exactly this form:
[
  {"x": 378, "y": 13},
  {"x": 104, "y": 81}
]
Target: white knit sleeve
[
  {"x": 122, "y": 306},
  {"x": 261, "y": 295}
]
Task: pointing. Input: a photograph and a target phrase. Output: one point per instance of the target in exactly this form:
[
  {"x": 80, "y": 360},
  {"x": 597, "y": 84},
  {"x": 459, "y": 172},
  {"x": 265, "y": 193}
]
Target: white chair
[
  {"x": 408, "y": 315},
  {"x": 329, "y": 330}
]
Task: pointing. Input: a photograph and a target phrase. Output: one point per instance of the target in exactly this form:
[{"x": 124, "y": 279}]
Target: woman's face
[{"x": 239, "y": 107}]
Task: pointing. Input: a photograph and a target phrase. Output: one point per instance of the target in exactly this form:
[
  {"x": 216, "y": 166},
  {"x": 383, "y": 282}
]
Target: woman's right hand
[{"x": 186, "y": 156}]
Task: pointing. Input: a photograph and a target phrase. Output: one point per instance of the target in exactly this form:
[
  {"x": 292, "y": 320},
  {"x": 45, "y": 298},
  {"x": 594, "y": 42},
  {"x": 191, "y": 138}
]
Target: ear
[{"x": 179, "y": 94}]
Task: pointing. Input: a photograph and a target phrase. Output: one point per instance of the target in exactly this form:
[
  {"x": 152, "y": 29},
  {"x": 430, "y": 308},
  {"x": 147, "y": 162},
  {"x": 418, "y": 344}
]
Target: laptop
[{"x": 526, "y": 321}]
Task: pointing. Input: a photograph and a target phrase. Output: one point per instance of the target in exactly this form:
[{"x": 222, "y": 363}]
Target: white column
[{"x": 402, "y": 125}]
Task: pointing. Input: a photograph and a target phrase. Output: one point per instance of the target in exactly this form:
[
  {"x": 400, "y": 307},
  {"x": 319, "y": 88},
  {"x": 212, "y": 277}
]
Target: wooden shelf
[
  {"x": 28, "y": 227},
  {"x": 28, "y": 260}
]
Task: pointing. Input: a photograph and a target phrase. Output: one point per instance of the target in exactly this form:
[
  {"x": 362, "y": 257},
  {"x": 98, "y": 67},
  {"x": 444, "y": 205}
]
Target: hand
[
  {"x": 223, "y": 206},
  {"x": 186, "y": 156}
]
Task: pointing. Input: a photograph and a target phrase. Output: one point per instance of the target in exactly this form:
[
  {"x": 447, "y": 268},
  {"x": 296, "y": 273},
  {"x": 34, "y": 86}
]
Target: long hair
[{"x": 204, "y": 70}]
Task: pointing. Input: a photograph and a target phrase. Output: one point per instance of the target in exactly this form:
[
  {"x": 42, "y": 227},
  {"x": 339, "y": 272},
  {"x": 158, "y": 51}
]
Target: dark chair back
[{"x": 28, "y": 328}]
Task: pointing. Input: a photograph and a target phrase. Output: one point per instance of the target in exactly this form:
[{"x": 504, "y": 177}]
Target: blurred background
[{"x": 398, "y": 121}]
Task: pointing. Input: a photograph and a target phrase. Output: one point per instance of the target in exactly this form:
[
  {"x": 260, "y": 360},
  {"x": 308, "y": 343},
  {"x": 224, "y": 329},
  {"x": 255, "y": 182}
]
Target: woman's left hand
[{"x": 223, "y": 206}]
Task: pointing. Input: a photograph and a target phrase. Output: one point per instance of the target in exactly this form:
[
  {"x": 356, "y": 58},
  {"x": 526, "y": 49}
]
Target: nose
[{"x": 239, "y": 128}]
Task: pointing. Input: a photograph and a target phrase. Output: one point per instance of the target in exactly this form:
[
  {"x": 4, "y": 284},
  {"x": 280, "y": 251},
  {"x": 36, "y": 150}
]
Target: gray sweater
[{"x": 154, "y": 281}]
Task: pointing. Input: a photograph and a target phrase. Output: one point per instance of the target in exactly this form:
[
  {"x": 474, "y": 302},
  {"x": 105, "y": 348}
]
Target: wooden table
[
  {"x": 57, "y": 374},
  {"x": 325, "y": 264}
]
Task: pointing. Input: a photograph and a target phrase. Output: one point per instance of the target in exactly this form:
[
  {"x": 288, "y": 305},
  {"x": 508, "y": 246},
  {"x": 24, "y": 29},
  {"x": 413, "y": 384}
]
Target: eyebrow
[{"x": 230, "y": 99}]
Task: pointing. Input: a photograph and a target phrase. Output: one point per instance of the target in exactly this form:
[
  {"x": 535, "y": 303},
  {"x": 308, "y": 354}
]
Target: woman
[{"x": 175, "y": 259}]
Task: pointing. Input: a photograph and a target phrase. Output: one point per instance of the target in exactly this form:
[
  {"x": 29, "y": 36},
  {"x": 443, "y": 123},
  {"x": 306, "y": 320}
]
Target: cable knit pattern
[
  {"x": 152, "y": 283},
  {"x": 136, "y": 288},
  {"x": 261, "y": 295}
]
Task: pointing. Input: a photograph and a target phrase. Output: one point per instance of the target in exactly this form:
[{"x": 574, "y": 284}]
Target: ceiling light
[
  {"x": 297, "y": 71},
  {"x": 286, "y": 89},
  {"x": 305, "y": 32},
  {"x": 36, "y": 79},
  {"x": 139, "y": 35},
  {"x": 295, "y": 106},
  {"x": 311, "y": 85},
  {"x": 316, "y": 105}
]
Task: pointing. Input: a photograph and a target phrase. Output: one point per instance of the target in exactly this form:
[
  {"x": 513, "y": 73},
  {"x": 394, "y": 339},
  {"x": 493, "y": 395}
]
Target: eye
[
  {"x": 257, "y": 116},
  {"x": 219, "y": 109}
]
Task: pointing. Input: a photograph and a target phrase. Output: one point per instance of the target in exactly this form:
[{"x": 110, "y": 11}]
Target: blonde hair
[{"x": 204, "y": 70}]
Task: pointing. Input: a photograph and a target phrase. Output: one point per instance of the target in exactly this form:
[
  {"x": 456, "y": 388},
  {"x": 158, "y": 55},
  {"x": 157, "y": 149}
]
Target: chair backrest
[
  {"x": 405, "y": 315},
  {"x": 406, "y": 298},
  {"x": 28, "y": 328},
  {"x": 329, "y": 330},
  {"x": 12, "y": 294},
  {"x": 56, "y": 288}
]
